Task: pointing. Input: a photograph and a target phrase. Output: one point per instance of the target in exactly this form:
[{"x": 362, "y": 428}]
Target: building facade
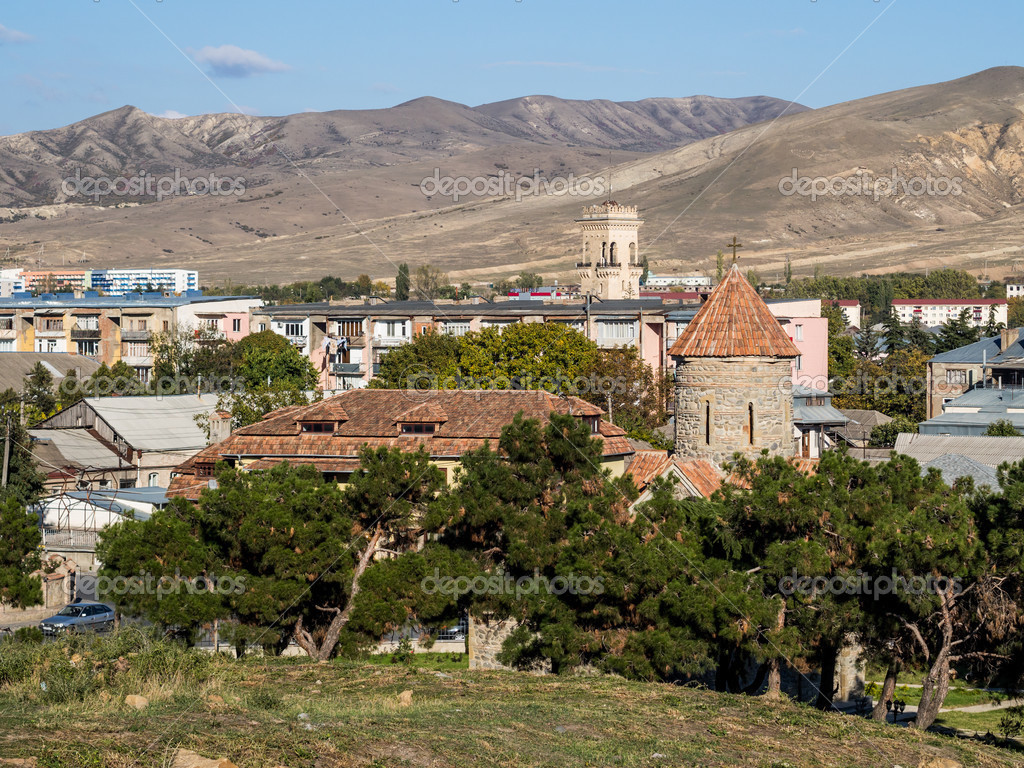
[
  {"x": 931, "y": 312},
  {"x": 734, "y": 389},
  {"x": 610, "y": 266}
]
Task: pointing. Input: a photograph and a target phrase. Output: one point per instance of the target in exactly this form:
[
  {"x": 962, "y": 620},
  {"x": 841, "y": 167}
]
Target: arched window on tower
[
  {"x": 614, "y": 253},
  {"x": 750, "y": 422},
  {"x": 604, "y": 252},
  {"x": 632, "y": 254}
]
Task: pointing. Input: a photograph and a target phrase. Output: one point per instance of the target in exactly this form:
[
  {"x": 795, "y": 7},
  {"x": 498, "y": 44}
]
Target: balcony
[
  {"x": 298, "y": 341},
  {"x": 85, "y": 334},
  {"x": 66, "y": 540},
  {"x": 134, "y": 335},
  {"x": 8, "y": 333},
  {"x": 52, "y": 332},
  {"x": 389, "y": 341},
  {"x": 346, "y": 369}
]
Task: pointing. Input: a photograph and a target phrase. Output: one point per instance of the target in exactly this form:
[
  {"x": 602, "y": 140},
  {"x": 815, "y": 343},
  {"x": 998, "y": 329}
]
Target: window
[
  {"x": 317, "y": 426},
  {"x": 293, "y": 329},
  {"x": 456, "y": 328},
  {"x": 6, "y": 323},
  {"x": 594, "y": 422},
  {"x": 236, "y": 325},
  {"x": 263, "y": 327},
  {"x": 418, "y": 429},
  {"x": 204, "y": 469},
  {"x": 750, "y": 422},
  {"x": 394, "y": 328},
  {"x": 707, "y": 422},
  {"x": 53, "y": 324},
  {"x": 6, "y": 345},
  {"x": 956, "y": 376},
  {"x": 88, "y": 323},
  {"x": 350, "y": 328},
  {"x": 141, "y": 325},
  {"x": 617, "y": 329},
  {"x": 142, "y": 371},
  {"x": 167, "y": 325},
  {"x": 135, "y": 349},
  {"x": 798, "y": 333},
  {"x": 88, "y": 348},
  {"x": 799, "y": 362},
  {"x": 154, "y": 479},
  {"x": 126, "y": 484},
  {"x": 211, "y": 323}
]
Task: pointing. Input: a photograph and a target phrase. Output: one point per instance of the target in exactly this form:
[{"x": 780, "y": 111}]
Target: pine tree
[
  {"x": 19, "y": 555},
  {"x": 867, "y": 343},
  {"x": 893, "y": 332}
]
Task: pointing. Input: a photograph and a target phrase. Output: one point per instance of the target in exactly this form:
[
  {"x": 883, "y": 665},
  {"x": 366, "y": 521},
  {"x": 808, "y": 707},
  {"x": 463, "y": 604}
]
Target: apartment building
[
  {"x": 117, "y": 282},
  {"x": 116, "y": 328},
  {"x": 346, "y": 343},
  {"x": 932, "y": 312}
]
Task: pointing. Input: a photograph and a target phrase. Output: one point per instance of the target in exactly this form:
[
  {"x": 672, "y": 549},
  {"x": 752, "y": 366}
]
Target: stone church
[{"x": 733, "y": 386}]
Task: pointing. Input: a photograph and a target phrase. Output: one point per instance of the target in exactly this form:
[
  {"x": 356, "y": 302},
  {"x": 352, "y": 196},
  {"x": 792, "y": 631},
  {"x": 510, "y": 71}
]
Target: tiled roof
[
  {"x": 734, "y": 322},
  {"x": 699, "y": 477},
  {"x": 466, "y": 420}
]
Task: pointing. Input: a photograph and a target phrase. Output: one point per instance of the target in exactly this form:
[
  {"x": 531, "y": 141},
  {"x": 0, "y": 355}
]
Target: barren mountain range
[{"x": 340, "y": 192}]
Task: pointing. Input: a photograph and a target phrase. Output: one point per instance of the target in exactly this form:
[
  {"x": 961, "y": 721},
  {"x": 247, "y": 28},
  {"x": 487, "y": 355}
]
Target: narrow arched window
[
  {"x": 613, "y": 253},
  {"x": 750, "y": 422},
  {"x": 604, "y": 251},
  {"x": 707, "y": 422}
]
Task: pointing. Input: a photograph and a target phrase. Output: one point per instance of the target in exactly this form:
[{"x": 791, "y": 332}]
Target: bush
[{"x": 884, "y": 435}]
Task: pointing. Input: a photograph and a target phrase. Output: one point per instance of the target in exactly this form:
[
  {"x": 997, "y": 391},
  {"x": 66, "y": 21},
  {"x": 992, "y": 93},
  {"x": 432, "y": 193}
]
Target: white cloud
[
  {"x": 232, "y": 61},
  {"x": 172, "y": 114},
  {"x": 8, "y": 35}
]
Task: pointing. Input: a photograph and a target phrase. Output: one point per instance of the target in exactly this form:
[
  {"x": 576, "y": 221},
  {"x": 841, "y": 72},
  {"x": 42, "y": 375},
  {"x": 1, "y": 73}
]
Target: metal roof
[
  {"x": 15, "y": 366},
  {"x": 989, "y": 398},
  {"x": 953, "y": 466},
  {"x": 77, "y": 448},
  {"x": 156, "y": 423},
  {"x": 990, "y": 451},
  {"x": 131, "y": 300},
  {"x": 817, "y": 414},
  {"x": 988, "y": 349}
]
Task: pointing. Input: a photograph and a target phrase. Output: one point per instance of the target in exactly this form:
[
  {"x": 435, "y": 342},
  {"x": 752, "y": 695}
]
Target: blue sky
[{"x": 63, "y": 60}]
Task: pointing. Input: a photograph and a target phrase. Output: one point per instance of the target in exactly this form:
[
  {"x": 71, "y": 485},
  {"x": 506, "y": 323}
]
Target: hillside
[
  {"x": 347, "y": 197},
  {"x": 345, "y": 715}
]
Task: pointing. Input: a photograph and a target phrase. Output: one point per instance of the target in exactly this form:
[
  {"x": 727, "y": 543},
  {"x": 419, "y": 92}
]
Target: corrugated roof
[
  {"x": 156, "y": 423},
  {"x": 987, "y": 349},
  {"x": 817, "y": 414},
  {"x": 990, "y": 451},
  {"x": 734, "y": 322},
  {"x": 953, "y": 466},
  {"x": 75, "y": 448},
  {"x": 15, "y": 366}
]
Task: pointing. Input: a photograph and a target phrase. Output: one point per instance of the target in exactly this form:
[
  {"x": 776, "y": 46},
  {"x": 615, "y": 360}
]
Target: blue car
[{"x": 79, "y": 617}]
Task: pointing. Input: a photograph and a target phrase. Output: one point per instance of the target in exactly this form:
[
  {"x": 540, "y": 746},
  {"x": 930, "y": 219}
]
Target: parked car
[{"x": 79, "y": 617}]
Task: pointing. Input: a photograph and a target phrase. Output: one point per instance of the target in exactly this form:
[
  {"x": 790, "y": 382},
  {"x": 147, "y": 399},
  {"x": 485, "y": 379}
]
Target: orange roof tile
[
  {"x": 734, "y": 322},
  {"x": 467, "y": 419},
  {"x": 702, "y": 475}
]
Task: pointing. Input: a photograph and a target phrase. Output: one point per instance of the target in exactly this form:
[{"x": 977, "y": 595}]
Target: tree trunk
[
  {"x": 827, "y": 686},
  {"x": 888, "y": 689},
  {"x": 216, "y": 636},
  {"x": 722, "y": 671},
  {"x": 774, "y": 689},
  {"x": 933, "y": 692},
  {"x": 341, "y": 616}
]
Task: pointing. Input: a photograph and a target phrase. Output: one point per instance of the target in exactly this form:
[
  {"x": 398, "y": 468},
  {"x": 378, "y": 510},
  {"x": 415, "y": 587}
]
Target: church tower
[
  {"x": 610, "y": 267},
  {"x": 734, "y": 387}
]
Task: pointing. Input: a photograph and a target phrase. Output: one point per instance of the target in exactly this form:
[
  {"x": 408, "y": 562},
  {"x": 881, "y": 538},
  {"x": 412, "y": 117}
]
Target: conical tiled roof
[{"x": 734, "y": 322}]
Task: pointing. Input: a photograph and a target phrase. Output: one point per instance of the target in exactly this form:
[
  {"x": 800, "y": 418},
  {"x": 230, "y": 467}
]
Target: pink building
[
  {"x": 236, "y": 325},
  {"x": 802, "y": 321}
]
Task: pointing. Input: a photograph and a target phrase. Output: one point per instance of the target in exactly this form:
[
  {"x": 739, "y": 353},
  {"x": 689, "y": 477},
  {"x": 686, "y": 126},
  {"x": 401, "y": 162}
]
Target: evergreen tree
[
  {"x": 893, "y": 332},
  {"x": 19, "y": 555},
  {"x": 789, "y": 271},
  {"x": 719, "y": 267},
  {"x": 957, "y": 333},
  {"x": 40, "y": 402},
  {"x": 402, "y": 283},
  {"x": 867, "y": 343}
]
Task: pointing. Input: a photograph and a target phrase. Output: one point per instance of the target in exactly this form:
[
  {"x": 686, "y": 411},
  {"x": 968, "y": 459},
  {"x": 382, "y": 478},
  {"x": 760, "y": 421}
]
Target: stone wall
[
  {"x": 730, "y": 386},
  {"x": 484, "y": 642}
]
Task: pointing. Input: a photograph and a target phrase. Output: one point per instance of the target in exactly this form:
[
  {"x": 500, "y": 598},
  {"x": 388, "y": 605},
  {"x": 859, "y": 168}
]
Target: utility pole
[{"x": 7, "y": 451}]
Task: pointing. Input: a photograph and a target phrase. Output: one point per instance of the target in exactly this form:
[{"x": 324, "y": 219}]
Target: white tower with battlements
[{"x": 610, "y": 267}]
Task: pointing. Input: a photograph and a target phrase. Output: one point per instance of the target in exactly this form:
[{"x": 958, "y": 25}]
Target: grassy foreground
[{"x": 262, "y": 713}]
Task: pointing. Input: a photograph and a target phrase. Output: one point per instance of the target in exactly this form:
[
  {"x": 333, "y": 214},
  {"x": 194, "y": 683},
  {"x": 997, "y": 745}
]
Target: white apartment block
[
  {"x": 1014, "y": 290},
  {"x": 933, "y": 312},
  {"x": 116, "y": 282}
]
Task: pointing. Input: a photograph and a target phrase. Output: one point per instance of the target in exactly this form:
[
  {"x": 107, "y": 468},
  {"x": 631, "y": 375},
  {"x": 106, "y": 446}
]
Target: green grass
[
  {"x": 957, "y": 697},
  {"x": 346, "y": 714}
]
